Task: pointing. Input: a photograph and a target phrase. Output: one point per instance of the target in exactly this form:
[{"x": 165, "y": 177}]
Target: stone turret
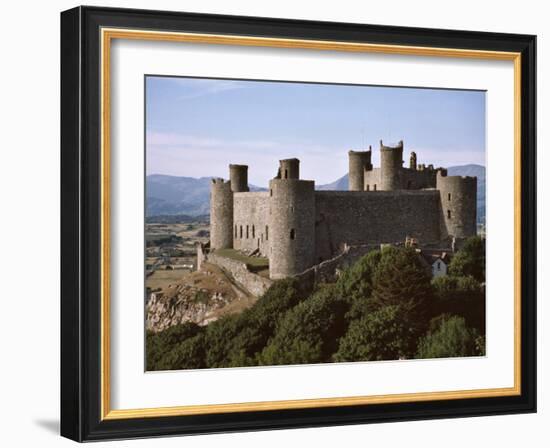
[
  {"x": 359, "y": 162},
  {"x": 291, "y": 226},
  {"x": 412, "y": 161},
  {"x": 458, "y": 204},
  {"x": 238, "y": 175},
  {"x": 391, "y": 164},
  {"x": 289, "y": 169},
  {"x": 221, "y": 214}
]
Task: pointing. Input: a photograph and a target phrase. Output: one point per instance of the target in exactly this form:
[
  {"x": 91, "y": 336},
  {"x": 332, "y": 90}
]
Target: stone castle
[{"x": 297, "y": 227}]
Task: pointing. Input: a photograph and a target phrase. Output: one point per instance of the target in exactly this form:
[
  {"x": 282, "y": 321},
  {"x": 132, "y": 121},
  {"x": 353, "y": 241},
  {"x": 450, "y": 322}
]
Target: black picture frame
[{"x": 81, "y": 224}]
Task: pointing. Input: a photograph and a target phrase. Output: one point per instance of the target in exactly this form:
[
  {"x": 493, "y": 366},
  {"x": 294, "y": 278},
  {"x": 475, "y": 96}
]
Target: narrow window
[
  {"x": 374, "y": 187},
  {"x": 246, "y": 232},
  {"x": 448, "y": 214},
  {"x": 271, "y": 192},
  {"x": 286, "y": 174},
  {"x": 235, "y": 230},
  {"x": 241, "y": 230},
  {"x": 266, "y": 233},
  {"x": 368, "y": 187},
  {"x": 292, "y": 234},
  {"x": 449, "y": 196},
  {"x": 253, "y": 231},
  {"x": 438, "y": 265}
]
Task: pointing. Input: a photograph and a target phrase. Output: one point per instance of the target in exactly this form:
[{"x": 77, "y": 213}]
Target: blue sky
[{"x": 196, "y": 127}]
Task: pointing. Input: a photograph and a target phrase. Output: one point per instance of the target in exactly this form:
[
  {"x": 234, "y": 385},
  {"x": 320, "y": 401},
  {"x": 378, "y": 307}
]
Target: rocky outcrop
[{"x": 200, "y": 297}]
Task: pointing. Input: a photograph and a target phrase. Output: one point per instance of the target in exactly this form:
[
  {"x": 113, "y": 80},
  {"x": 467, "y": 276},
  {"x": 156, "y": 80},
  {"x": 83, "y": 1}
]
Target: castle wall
[
  {"x": 356, "y": 218},
  {"x": 372, "y": 180},
  {"x": 250, "y": 219},
  {"x": 253, "y": 283}
]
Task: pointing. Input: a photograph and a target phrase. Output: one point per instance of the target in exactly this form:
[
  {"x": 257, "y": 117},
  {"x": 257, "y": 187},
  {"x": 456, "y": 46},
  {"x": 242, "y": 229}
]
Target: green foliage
[
  {"x": 189, "y": 354},
  {"x": 356, "y": 281},
  {"x": 461, "y": 296},
  {"x": 450, "y": 337},
  {"x": 470, "y": 260},
  {"x": 386, "y": 333},
  {"x": 401, "y": 279},
  {"x": 158, "y": 344},
  {"x": 309, "y": 332},
  {"x": 377, "y": 309}
]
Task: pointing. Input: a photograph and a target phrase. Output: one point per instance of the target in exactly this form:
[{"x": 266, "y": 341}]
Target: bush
[
  {"x": 450, "y": 337},
  {"x": 381, "y": 335}
]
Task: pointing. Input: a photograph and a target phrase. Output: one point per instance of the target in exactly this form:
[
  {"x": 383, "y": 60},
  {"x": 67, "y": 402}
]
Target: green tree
[
  {"x": 355, "y": 282},
  {"x": 470, "y": 260},
  {"x": 309, "y": 332},
  {"x": 450, "y": 337},
  {"x": 401, "y": 279},
  {"x": 384, "y": 334}
]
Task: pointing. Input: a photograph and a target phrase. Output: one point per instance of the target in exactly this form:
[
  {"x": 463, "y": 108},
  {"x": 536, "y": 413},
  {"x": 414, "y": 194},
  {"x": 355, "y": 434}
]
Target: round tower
[
  {"x": 221, "y": 215},
  {"x": 291, "y": 227},
  {"x": 391, "y": 163},
  {"x": 238, "y": 175},
  {"x": 289, "y": 169},
  {"x": 458, "y": 204},
  {"x": 359, "y": 161}
]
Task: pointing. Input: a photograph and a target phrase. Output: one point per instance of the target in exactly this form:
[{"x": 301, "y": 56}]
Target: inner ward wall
[
  {"x": 251, "y": 210},
  {"x": 361, "y": 217}
]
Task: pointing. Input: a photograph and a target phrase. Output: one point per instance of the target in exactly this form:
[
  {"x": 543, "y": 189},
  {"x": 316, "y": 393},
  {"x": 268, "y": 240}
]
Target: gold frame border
[{"x": 107, "y": 35}]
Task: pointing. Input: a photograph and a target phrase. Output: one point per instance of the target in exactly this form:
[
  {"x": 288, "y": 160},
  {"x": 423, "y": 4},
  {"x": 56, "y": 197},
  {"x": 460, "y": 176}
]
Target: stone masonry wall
[
  {"x": 359, "y": 218},
  {"x": 251, "y": 210},
  {"x": 254, "y": 283}
]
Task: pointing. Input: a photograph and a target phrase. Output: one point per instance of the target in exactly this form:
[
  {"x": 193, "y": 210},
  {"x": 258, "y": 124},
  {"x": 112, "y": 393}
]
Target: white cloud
[
  {"x": 200, "y": 156},
  {"x": 203, "y": 87}
]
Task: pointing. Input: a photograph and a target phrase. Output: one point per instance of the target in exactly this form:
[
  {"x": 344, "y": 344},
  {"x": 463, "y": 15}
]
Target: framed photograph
[{"x": 274, "y": 223}]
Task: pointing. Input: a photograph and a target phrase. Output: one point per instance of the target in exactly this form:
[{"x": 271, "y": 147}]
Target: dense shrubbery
[{"x": 383, "y": 307}]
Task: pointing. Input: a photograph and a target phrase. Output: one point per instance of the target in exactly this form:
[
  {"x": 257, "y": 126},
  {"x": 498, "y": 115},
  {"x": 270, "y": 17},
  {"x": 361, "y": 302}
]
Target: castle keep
[{"x": 297, "y": 227}]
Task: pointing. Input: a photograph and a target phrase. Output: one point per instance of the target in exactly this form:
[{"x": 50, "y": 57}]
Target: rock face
[{"x": 200, "y": 297}]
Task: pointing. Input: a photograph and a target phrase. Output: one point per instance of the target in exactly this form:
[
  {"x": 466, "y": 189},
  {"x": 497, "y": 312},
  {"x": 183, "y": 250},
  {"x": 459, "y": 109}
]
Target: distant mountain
[
  {"x": 338, "y": 185},
  {"x": 177, "y": 195},
  {"x": 174, "y": 195},
  {"x": 341, "y": 184}
]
